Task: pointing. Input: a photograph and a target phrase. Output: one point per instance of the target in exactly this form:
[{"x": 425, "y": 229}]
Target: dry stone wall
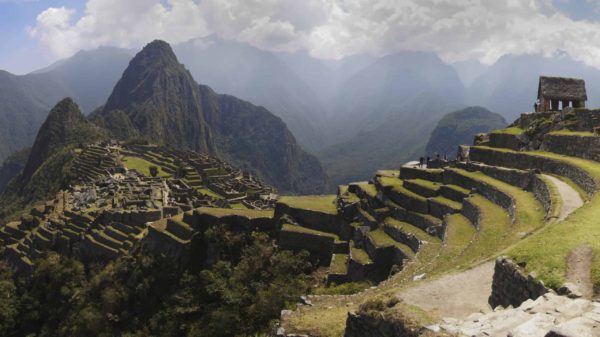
[
  {"x": 512, "y": 286},
  {"x": 524, "y": 161},
  {"x": 587, "y": 147},
  {"x": 506, "y": 141},
  {"x": 488, "y": 191}
]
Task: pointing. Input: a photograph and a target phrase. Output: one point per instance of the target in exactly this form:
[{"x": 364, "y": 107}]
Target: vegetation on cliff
[
  {"x": 459, "y": 127},
  {"x": 241, "y": 294},
  {"x": 158, "y": 100}
]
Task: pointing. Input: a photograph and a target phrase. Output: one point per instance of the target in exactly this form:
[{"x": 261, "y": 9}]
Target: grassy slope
[
  {"x": 546, "y": 251},
  {"x": 529, "y": 212},
  {"x": 142, "y": 166},
  {"x": 318, "y": 203}
]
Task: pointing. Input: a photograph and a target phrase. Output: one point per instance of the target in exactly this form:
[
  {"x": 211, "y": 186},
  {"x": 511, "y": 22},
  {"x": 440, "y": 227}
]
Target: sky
[{"x": 35, "y": 33}]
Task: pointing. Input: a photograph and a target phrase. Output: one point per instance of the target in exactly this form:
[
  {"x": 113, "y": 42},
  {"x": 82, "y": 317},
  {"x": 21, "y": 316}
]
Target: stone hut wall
[{"x": 512, "y": 286}]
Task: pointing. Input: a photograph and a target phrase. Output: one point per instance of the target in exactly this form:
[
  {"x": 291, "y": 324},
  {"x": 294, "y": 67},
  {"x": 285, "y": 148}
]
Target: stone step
[
  {"x": 454, "y": 192},
  {"x": 338, "y": 269},
  {"x": 379, "y": 239},
  {"x": 441, "y": 206},
  {"x": 102, "y": 249},
  {"x": 101, "y": 237},
  {"x": 320, "y": 244},
  {"x": 423, "y": 187},
  {"x": 115, "y": 233},
  {"x": 394, "y": 189},
  {"x": 179, "y": 229},
  {"x": 407, "y": 234}
]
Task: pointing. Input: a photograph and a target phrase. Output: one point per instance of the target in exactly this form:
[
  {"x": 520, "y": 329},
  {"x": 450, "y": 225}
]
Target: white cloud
[{"x": 455, "y": 29}]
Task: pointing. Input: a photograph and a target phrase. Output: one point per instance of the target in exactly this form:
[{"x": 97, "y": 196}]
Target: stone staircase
[
  {"x": 549, "y": 315},
  {"x": 387, "y": 221}
]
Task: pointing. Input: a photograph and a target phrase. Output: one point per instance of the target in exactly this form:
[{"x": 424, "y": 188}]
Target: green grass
[
  {"x": 529, "y": 214},
  {"x": 238, "y": 205},
  {"x": 206, "y": 191},
  {"x": 458, "y": 189},
  {"x": 408, "y": 228},
  {"x": 369, "y": 189},
  {"x": 509, "y": 131},
  {"x": 450, "y": 203},
  {"x": 360, "y": 255},
  {"x": 342, "y": 289},
  {"x": 248, "y": 213},
  {"x": 300, "y": 229},
  {"x": 572, "y": 133},
  {"x": 317, "y": 203},
  {"x": 142, "y": 166},
  {"x": 339, "y": 264},
  {"x": 589, "y": 166},
  {"x": 459, "y": 233},
  {"x": 546, "y": 251},
  {"x": 381, "y": 239},
  {"x": 430, "y": 185},
  {"x": 492, "y": 236},
  {"x": 397, "y": 185}
]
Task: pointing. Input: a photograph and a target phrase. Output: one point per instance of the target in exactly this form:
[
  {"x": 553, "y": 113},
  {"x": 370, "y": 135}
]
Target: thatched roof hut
[{"x": 563, "y": 90}]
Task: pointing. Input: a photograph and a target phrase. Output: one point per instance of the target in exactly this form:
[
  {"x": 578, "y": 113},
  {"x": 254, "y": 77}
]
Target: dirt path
[
  {"x": 571, "y": 200},
  {"x": 579, "y": 264},
  {"x": 456, "y": 295}
]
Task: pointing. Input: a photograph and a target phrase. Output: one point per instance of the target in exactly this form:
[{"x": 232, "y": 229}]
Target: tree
[{"x": 153, "y": 170}]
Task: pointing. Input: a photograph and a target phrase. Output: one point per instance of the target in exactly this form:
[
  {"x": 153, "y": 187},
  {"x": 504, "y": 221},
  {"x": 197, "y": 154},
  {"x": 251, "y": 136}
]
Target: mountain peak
[
  {"x": 156, "y": 52},
  {"x": 64, "y": 111},
  {"x": 64, "y": 126},
  {"x": 159, "y": 98}
]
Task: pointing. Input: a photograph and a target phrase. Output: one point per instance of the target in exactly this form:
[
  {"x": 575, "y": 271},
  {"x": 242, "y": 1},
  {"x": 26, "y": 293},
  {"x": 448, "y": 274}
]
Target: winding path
[
  {"x": 460, "y": 294},
  {"x": 571, "y": 200}
]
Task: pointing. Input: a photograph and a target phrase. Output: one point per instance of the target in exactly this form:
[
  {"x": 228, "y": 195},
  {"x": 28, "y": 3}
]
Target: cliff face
[
  {"x": 161, "y": 101},
  {"x": 158, "y": 100}
]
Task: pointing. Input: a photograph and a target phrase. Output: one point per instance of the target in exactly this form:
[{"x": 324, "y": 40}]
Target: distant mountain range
[{"x": 356, "y": 114}]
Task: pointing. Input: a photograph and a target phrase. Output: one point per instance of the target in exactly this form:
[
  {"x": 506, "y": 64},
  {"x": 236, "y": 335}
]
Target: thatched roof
[{"x": 562, "y": 88}]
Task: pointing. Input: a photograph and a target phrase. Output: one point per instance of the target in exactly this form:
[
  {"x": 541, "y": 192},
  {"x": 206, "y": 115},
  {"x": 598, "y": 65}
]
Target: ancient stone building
[{"x": 557, "y": 93}]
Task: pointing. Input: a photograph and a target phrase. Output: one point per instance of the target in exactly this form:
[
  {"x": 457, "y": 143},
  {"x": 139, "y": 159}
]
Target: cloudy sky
[{"x": 37, "y": 32}]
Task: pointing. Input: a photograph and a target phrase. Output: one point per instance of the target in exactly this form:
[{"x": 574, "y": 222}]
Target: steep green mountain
[
  {"x": 65, "y": 126},
  {"x": 458, "y": 128},
  {"x": 251, "y": 137},
  {"x": 25, "y": 100},
  {"x": 158, "y": 99},
  {"x": 12, "y": 166},
  {"x": 257, "y": 76},
  {"x": 47, "y": 167}
]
